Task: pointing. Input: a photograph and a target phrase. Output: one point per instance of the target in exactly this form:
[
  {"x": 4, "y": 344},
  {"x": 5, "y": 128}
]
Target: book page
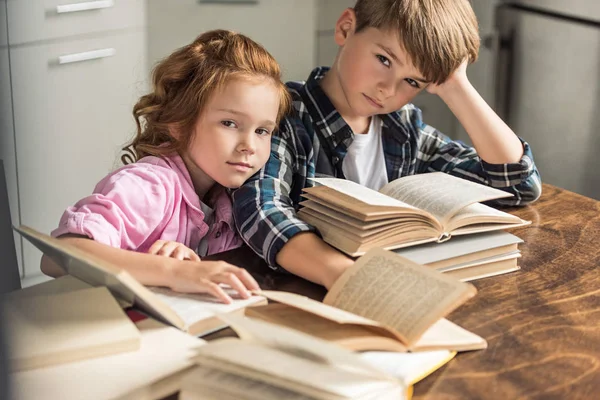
[
  {"x": 291, "y": 370},
  {"x": 193, "y": 307},
  {"x": 360, "y": 192},
  {"x": 394, "y": 291},
  {"x": 297, "y": 343},
  {"x": 481, "y": 213},
  {"x": 410, "y": 368},
  {"x": 439, "y": 193},
  {"x": 447, "y": 335},
  {"x": 209, "y": 383}
]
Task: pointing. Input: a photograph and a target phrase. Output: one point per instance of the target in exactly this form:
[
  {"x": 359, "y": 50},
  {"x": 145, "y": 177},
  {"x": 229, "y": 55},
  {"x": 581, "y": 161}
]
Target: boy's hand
[
  {"x": 458, "y": 77},
  {"x": 206, "y": 277},
  {"x": 173, "y": 250}
]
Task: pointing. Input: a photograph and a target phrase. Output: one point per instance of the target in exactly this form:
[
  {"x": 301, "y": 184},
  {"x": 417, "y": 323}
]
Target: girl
[{"x": 206, "y": 127}]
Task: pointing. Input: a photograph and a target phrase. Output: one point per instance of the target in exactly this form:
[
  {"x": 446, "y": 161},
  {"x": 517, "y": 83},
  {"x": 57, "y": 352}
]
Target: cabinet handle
[
  {"x": 85, "y": 6},
  {"x": 86, "y": 55}
]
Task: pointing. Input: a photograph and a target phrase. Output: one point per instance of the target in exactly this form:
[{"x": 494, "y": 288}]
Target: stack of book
[{"x": 431, "y": 209}]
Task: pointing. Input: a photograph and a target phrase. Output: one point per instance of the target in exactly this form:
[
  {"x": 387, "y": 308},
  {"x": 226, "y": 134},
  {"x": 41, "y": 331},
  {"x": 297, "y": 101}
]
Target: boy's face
[
  {"x": 374, "y": 72},
  {"x": 232, "y": 135}
]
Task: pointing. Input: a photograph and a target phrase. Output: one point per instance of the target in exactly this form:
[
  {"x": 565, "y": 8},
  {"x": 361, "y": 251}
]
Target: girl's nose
[{"x": 247, "y": 143}]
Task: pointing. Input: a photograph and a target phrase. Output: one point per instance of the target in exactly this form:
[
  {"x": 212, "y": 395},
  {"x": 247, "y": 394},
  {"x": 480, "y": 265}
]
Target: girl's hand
[
  {"x": 206, "y": 277},
  {"x": 173, "y": 250}
]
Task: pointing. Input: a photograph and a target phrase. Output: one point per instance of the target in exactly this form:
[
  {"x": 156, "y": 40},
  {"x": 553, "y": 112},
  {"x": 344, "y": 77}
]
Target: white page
[
  {"x": 290, "y": 340},
  {"x": 361, "y": 193},
  {"x": 221, "y": 384},
  {"x": 164, "y": 350},
  {"x": 439, "y": 193},
  {"x": 299, "y": 373},
  {"x": 448, "y": 335},
  {"x": 193, "y": 307},
  {"x": 408, "y": 367},
  {"x": 458, "y": 246}
]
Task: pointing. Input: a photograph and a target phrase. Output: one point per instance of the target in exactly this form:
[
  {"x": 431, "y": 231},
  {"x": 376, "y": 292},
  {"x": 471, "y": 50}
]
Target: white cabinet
[
  {"x": 286, "y": 28},
  {"x": 71, "y": 121},
  {"x": 37, "y": 20},
  {"x": 74, "y": 78}
]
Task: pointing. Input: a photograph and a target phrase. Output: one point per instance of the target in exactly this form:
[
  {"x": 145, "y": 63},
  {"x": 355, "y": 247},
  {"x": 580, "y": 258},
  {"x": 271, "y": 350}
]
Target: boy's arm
[
  {"x": 500, "y": 159},
  {"x": 265, "y": 213},
  {"x": 494, "y": 141}
]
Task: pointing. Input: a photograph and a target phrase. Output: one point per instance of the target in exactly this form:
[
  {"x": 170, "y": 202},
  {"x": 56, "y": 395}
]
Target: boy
[{"x": 354, "y": 121}]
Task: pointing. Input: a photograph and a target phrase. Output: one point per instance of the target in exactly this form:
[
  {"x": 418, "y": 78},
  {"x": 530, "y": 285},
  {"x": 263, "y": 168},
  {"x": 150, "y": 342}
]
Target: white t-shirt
[{"x": 364, "y": 162}]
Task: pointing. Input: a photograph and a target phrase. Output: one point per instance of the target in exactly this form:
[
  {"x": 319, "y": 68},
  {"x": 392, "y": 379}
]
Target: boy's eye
[
  {"x": 263, "y": 132},
  {"x": 413, "y": 83},
  {"x": 229, "y": 124},
  {"x": 384, "y": 60}
]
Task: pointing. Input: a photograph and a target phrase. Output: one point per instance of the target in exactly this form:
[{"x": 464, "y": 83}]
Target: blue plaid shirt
[{"x": 314, "y": 140}]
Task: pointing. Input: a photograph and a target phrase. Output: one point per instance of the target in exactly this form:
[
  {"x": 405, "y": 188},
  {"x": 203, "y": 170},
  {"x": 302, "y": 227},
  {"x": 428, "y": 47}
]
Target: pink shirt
[{"x": 152, "y": 199}]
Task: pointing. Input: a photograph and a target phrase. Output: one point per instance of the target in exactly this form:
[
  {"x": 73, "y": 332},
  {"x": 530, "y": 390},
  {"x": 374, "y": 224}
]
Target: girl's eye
[
  {"x": 229, "y": 124},
  {"x": 384, "y": 60},
  {"x": 413, "y": 83},
  {"x": 263, "y": 132}
]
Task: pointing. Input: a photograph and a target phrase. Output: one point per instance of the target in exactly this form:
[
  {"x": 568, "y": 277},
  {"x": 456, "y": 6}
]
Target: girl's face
[{"x": 232, "y": 136}]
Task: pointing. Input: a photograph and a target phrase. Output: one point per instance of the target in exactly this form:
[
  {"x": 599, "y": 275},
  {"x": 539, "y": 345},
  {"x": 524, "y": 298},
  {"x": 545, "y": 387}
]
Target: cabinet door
[
  {"x": 71, "y": 120},
  {"x": 35, "y": 20},
  {"x": 285, "y": 27}
]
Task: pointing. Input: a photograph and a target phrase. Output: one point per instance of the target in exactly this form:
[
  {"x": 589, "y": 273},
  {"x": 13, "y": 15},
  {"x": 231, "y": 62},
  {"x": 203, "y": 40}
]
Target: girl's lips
[{"x": 242, "y": 167}]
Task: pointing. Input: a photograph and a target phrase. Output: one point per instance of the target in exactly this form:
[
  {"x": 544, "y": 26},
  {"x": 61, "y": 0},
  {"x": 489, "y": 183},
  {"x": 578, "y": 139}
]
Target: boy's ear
[{"x": 344, "y": 27}]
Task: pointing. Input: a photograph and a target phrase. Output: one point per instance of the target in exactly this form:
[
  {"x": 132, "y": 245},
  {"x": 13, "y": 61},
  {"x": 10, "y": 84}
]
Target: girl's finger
[
  {"x": 234, "y": 282},
  {"x": 180, "y": 253},
  {"x": 193, "y": 256},
  {"x": 216, "y": 290},
  {"x": 155, "y": 248},
  {"x": 168, "y": 249},
  {"x": 247, "y": 279}
]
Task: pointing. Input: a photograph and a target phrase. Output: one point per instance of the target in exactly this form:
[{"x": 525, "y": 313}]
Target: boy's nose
[{"x": 386, "y": 88}]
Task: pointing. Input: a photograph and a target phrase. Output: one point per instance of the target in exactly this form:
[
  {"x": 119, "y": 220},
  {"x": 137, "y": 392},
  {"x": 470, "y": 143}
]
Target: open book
[
  {"x": 383, "y": 302},
  {"x": 410, "y": 210},
  {"x": 195, "y": 314},
  {"x": 272, "y": 362}
]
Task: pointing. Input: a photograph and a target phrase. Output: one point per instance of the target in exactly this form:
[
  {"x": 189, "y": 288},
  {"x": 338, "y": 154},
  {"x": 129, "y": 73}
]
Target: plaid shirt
[{"x": 315, "y": 139}]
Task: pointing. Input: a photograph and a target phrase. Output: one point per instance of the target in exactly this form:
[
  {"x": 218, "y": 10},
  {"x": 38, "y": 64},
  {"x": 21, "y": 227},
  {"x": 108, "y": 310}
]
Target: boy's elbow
[{"x": 50, "y": 268}]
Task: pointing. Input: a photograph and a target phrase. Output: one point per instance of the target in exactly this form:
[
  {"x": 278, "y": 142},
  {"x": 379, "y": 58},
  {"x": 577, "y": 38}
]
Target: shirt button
[
  {"x": 336, "y": 159},
  {"x": 218, "y": 234}
]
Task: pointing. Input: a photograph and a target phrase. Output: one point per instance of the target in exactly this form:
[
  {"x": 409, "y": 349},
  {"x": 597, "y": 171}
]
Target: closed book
[
  {"x": 56, "y": 329},
  {"x": 194, "y": 314}
]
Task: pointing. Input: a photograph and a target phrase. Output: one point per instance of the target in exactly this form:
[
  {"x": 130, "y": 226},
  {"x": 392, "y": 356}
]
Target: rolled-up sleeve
[
  {"x": 125, "y": 208},
  {"x": 437, "y": 152}
]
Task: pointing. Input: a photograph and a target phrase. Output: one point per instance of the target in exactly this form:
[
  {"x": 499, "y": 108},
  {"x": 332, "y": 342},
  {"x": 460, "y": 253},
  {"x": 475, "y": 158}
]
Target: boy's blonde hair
[
  {"x": 184, "y": 82},
  {"x": 437, "y": 34}
]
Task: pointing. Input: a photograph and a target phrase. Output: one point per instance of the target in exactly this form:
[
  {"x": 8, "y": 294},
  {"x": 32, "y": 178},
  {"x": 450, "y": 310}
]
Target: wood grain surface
[{"x": 542, "y": 323}]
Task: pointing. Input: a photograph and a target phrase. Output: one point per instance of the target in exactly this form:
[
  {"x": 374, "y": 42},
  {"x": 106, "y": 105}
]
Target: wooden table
[{"x": 542, "y": 323}]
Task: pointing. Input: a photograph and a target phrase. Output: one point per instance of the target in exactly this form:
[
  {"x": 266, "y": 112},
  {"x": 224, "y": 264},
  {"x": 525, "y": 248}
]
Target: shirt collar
[
  {"x": 219, "y": 197},
  {"x": 334, "y": 130}
]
